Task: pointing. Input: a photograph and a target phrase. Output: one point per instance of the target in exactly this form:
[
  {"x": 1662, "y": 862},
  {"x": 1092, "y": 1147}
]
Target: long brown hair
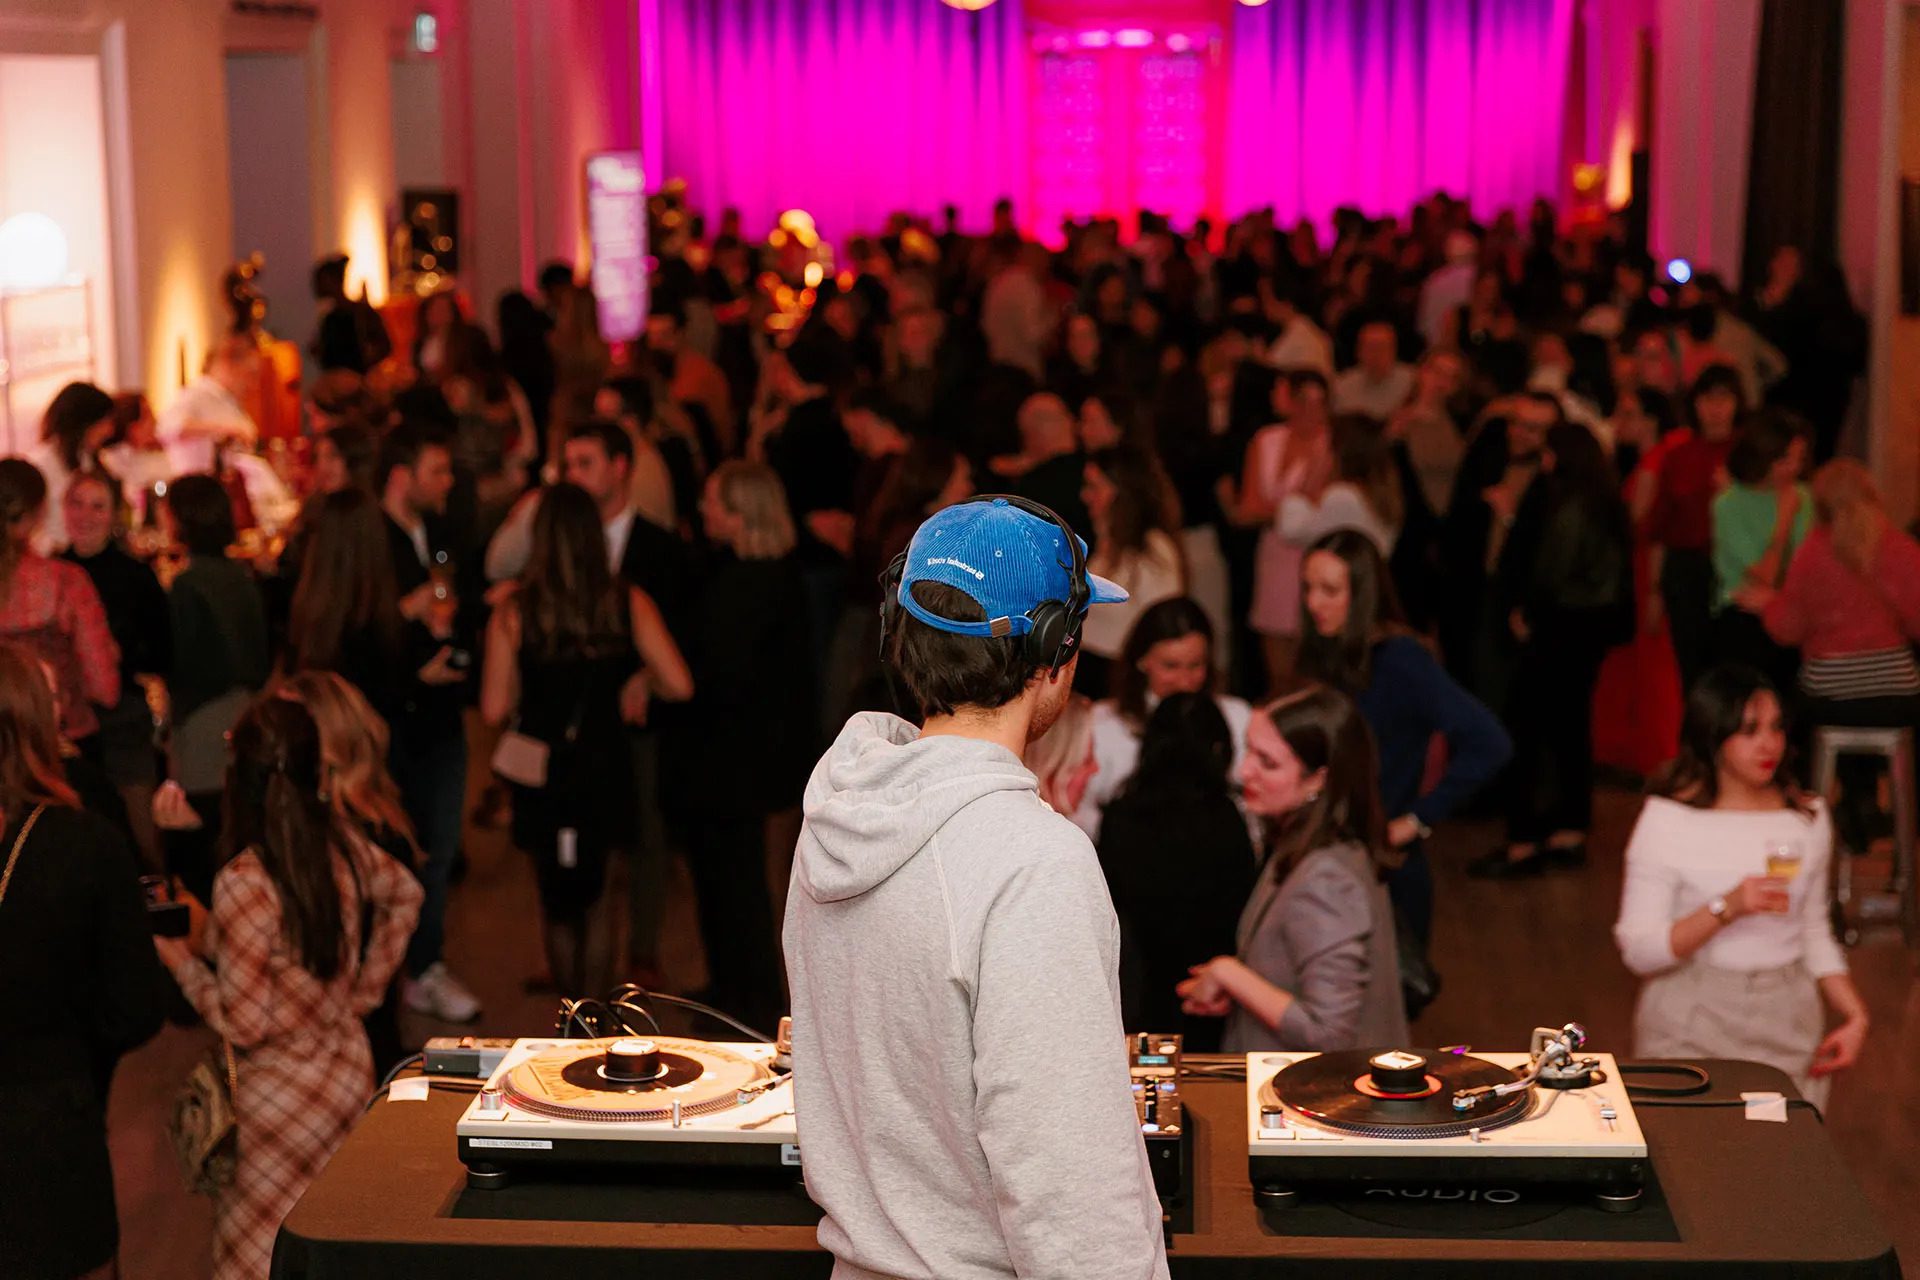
[
  {"x": 1324, "y": 730},
  {"x": 346, "y": 581},
  {"x": 569, "y": 599},
  {"x": 1362, "y": 459},
  {"x": 30, "y": 772},
  {"x": 1143, "y": 500},
  {"x": 1345, "y": 660},
  {"x": 354, "y": 740},
  {"x": 23, "y": 491},
  {"x": 275, "y": 809}
]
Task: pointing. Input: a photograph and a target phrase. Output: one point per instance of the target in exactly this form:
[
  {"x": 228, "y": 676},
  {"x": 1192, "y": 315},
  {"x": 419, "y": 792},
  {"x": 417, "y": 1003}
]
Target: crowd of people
[{"x": 1385, "y": 519}]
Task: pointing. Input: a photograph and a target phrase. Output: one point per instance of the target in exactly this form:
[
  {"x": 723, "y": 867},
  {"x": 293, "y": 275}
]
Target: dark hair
[
  {"x": 1345, "y": 661},
  {"x": 1174, "y": 619},
  {"x": 1300, "y": 379},
  {"x": 30, "y": 770},
  {"x": 1717, "y": 710},
  {"x": 346, "y": 582},
  {"x": 913, "y": 482},
  {"x": 275, "y": 811},
  {"x": 402, "y": 446},
  {"x": 357, "y": 448},
  {"x": 1250, "y": 402},
  {"x": 1700, "y": 321},
  {"x": 612, "y": 437},
  {"x": 1141, "y": 500},
  {"x": 636, "y": 396},
  {"x": 23, "y": 491},
  {"x": 1363, "y": 459},
  {"x": 1716, "y": 377},
  {"x": 329, "y": 278},
  {"x": 1325, "y": 730},
  {"x": 1186, "y": 752},
  {"x": 1657, "y": 405},
  {"x": 75, "y": 410},
  {"x": 571, "y": 603},
  {"x": 1580, "y": 466},
  {"x": 556, "y": 274},
  {"x": 128, "y": 408},
  {"x": 820, "y": 359},
  {"x": 1765, "y": 438},
  {"x": 204, "y": 513},
  {"x": 944, "y": 671},
  {"x": 1129, "y": 416}
]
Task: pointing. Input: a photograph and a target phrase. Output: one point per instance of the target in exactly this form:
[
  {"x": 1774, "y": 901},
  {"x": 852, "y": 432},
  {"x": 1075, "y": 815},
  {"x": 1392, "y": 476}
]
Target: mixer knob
[{"x": 492, "y": 1101}]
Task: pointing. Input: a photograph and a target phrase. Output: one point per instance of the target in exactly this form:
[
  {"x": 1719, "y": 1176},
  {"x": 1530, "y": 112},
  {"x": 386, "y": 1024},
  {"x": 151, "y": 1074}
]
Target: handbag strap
[{"x": 19, "y": 843}]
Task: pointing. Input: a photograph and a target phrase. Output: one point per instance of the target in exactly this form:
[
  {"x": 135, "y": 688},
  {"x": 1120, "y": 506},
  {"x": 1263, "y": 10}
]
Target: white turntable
[
  {"x": 1552, "y": 1116},
  {"x": 653, "y": 1101}
]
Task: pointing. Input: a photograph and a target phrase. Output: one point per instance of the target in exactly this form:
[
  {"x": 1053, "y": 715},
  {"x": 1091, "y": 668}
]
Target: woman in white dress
[
  {"x": 1362, "y": 491},
  {"x": 1724, "y": 909},
  {"x": 1281, "y": 460}
]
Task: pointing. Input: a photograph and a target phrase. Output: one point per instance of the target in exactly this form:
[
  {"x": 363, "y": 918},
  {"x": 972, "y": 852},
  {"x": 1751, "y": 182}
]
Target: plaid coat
[{"x": 304, "y": 1066}]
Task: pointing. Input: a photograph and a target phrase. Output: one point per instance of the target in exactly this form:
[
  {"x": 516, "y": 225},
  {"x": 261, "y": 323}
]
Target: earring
[{"x": 1313, "y": 797}]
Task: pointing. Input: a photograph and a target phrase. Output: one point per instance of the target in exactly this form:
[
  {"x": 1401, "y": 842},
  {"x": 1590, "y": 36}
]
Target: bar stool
[{"x": 1895, "y": 746}]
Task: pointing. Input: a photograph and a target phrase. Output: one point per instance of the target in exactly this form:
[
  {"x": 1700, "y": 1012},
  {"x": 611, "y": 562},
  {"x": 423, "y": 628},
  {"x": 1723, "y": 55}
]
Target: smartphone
[{"x": 166, "y": 916}]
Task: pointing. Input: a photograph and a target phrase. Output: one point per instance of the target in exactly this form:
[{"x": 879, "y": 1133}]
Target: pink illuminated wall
[
  {"x": 1378, "y": 103},
  {"x": 857, "y": 108}
]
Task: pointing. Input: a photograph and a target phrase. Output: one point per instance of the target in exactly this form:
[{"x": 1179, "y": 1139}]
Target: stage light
[
  {"x": 33, "y": 252},
  {"x": 1253, "y": 4},
  {"x": 814, "y": 274},
  {"x": 1679, "y": 271},
  {"x": 1094, "y": 39},
  {"x": 1133, "y": 38},
  {"x": 970, "y": 6},
  {"x": 1179, "y": 42}
]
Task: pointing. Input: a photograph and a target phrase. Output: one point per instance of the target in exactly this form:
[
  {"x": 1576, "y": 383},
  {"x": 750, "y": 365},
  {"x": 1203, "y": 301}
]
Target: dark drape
[{"x": 1794, "y": 170}]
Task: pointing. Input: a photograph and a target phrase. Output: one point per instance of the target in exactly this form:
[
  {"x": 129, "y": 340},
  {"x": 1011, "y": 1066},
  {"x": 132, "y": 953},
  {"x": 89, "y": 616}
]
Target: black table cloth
[{"x": 1729, "y": 1196}]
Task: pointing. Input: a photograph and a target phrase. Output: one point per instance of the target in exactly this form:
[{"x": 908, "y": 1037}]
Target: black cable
[
  {"x": 398, "y": 1067},
  {"x": 1698, "y": 1081},
  {"x": 706, "y": 1009}
]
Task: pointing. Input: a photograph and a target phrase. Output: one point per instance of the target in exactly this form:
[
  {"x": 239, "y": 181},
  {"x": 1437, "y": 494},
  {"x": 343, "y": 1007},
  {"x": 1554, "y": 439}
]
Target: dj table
[{"x": 1741, "y": 1197}]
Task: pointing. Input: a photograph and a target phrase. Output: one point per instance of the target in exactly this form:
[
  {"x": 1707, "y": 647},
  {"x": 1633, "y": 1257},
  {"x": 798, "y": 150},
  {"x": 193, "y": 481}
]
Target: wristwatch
[{"x": 1719, "y": 910}]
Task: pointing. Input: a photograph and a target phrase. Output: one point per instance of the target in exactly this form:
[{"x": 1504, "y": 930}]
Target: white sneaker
[{"x": 439, "y": 994}]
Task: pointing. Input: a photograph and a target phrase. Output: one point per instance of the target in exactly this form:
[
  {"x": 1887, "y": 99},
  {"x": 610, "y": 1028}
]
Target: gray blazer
[{"x": 1325, "y": 935}]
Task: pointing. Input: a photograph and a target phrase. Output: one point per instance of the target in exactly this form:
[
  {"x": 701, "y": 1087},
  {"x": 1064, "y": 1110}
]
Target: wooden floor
[{"x": 1512, "y": 956}]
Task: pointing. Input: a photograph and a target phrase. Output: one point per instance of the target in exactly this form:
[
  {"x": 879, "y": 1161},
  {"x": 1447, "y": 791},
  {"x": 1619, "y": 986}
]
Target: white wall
[
  {"x": 270, "y": 164},
  {"x": 53, "y": 162},
  {"x": 419, "y": 130}
]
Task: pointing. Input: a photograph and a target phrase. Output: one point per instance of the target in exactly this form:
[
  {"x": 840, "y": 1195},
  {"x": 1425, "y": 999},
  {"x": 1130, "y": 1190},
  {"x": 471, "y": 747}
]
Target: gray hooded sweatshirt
[{"x": 960, "y": 1079}]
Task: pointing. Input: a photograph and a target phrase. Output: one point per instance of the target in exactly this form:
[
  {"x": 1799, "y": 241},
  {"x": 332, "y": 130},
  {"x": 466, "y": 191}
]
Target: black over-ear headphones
[{"x": 1054, "y": 636}]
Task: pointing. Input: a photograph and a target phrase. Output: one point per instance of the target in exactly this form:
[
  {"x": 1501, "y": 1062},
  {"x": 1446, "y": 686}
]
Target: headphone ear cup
[{"x": 1051, "y": 629}]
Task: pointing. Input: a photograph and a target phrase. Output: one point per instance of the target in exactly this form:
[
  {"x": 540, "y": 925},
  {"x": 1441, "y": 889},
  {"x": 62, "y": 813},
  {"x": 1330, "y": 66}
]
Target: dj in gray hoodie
[{"x": 961, "y": 1085}]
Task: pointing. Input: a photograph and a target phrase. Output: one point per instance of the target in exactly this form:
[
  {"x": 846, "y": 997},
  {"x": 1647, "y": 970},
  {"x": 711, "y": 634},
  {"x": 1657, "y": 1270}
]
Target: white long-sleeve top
[
  {"x": 1116, "y": 754},
  {"x": 1680, "y": 858}
]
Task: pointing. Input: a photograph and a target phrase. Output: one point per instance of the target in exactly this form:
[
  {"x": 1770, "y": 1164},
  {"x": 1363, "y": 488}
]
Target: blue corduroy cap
[{"x": 1008, "y": 560}]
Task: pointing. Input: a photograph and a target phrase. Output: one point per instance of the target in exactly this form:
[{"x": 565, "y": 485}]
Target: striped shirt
[{"x": 1881, "y": 673}]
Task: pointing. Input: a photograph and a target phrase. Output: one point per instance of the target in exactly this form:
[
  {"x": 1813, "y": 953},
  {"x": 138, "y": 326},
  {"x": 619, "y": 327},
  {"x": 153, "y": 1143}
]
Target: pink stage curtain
[
  {"x": 1379, "y": 103},
  {"x": 849, "y": 109}
]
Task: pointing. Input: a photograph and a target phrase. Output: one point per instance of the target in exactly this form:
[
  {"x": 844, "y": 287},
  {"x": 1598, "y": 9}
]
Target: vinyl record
[
  {"x": 1330, "y": 1089},
  {"x": 568, "y": 1082}
]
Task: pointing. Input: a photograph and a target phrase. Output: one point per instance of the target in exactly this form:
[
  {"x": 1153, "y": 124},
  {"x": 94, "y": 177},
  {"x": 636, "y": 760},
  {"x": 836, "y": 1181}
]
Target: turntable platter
[
  {"x": 1334, "y": 1090},
  {"x": 570, "y": 1082}
]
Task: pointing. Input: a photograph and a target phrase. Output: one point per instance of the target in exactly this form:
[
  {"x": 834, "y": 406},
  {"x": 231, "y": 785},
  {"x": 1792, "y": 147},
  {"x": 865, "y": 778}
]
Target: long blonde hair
[
  {"x": 354, "y": 740},
  {"x": 752, "y": 491},
  {"x": 1847, "y": 501}
]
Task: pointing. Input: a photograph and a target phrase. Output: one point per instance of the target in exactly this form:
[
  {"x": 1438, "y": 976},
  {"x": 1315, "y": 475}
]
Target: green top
[{"x": 1743, "y": 519}]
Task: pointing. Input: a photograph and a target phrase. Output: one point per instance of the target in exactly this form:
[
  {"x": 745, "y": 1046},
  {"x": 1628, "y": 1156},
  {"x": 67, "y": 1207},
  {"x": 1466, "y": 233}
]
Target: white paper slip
[
  {"x": 1766, "y": 1106},
  {"x": 412, "y": 1089}
]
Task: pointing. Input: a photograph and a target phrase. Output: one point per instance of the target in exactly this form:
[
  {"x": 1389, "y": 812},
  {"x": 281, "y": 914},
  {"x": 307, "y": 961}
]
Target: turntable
[
  {"x": 637, "y": 1101},
  {"x": 1551, "y": 1116}
]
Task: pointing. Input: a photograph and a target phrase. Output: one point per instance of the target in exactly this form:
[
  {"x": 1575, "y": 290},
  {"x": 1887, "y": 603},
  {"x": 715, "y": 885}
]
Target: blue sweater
[{"x": 1408, "y": 700}]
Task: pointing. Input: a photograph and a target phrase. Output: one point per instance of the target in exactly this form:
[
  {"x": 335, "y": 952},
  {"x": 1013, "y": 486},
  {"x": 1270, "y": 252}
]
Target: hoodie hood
[{"x": 881, "y": 792}]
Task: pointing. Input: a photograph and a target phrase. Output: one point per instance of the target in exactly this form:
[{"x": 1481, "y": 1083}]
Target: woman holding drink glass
[{"x": 1724, "y": 909}]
